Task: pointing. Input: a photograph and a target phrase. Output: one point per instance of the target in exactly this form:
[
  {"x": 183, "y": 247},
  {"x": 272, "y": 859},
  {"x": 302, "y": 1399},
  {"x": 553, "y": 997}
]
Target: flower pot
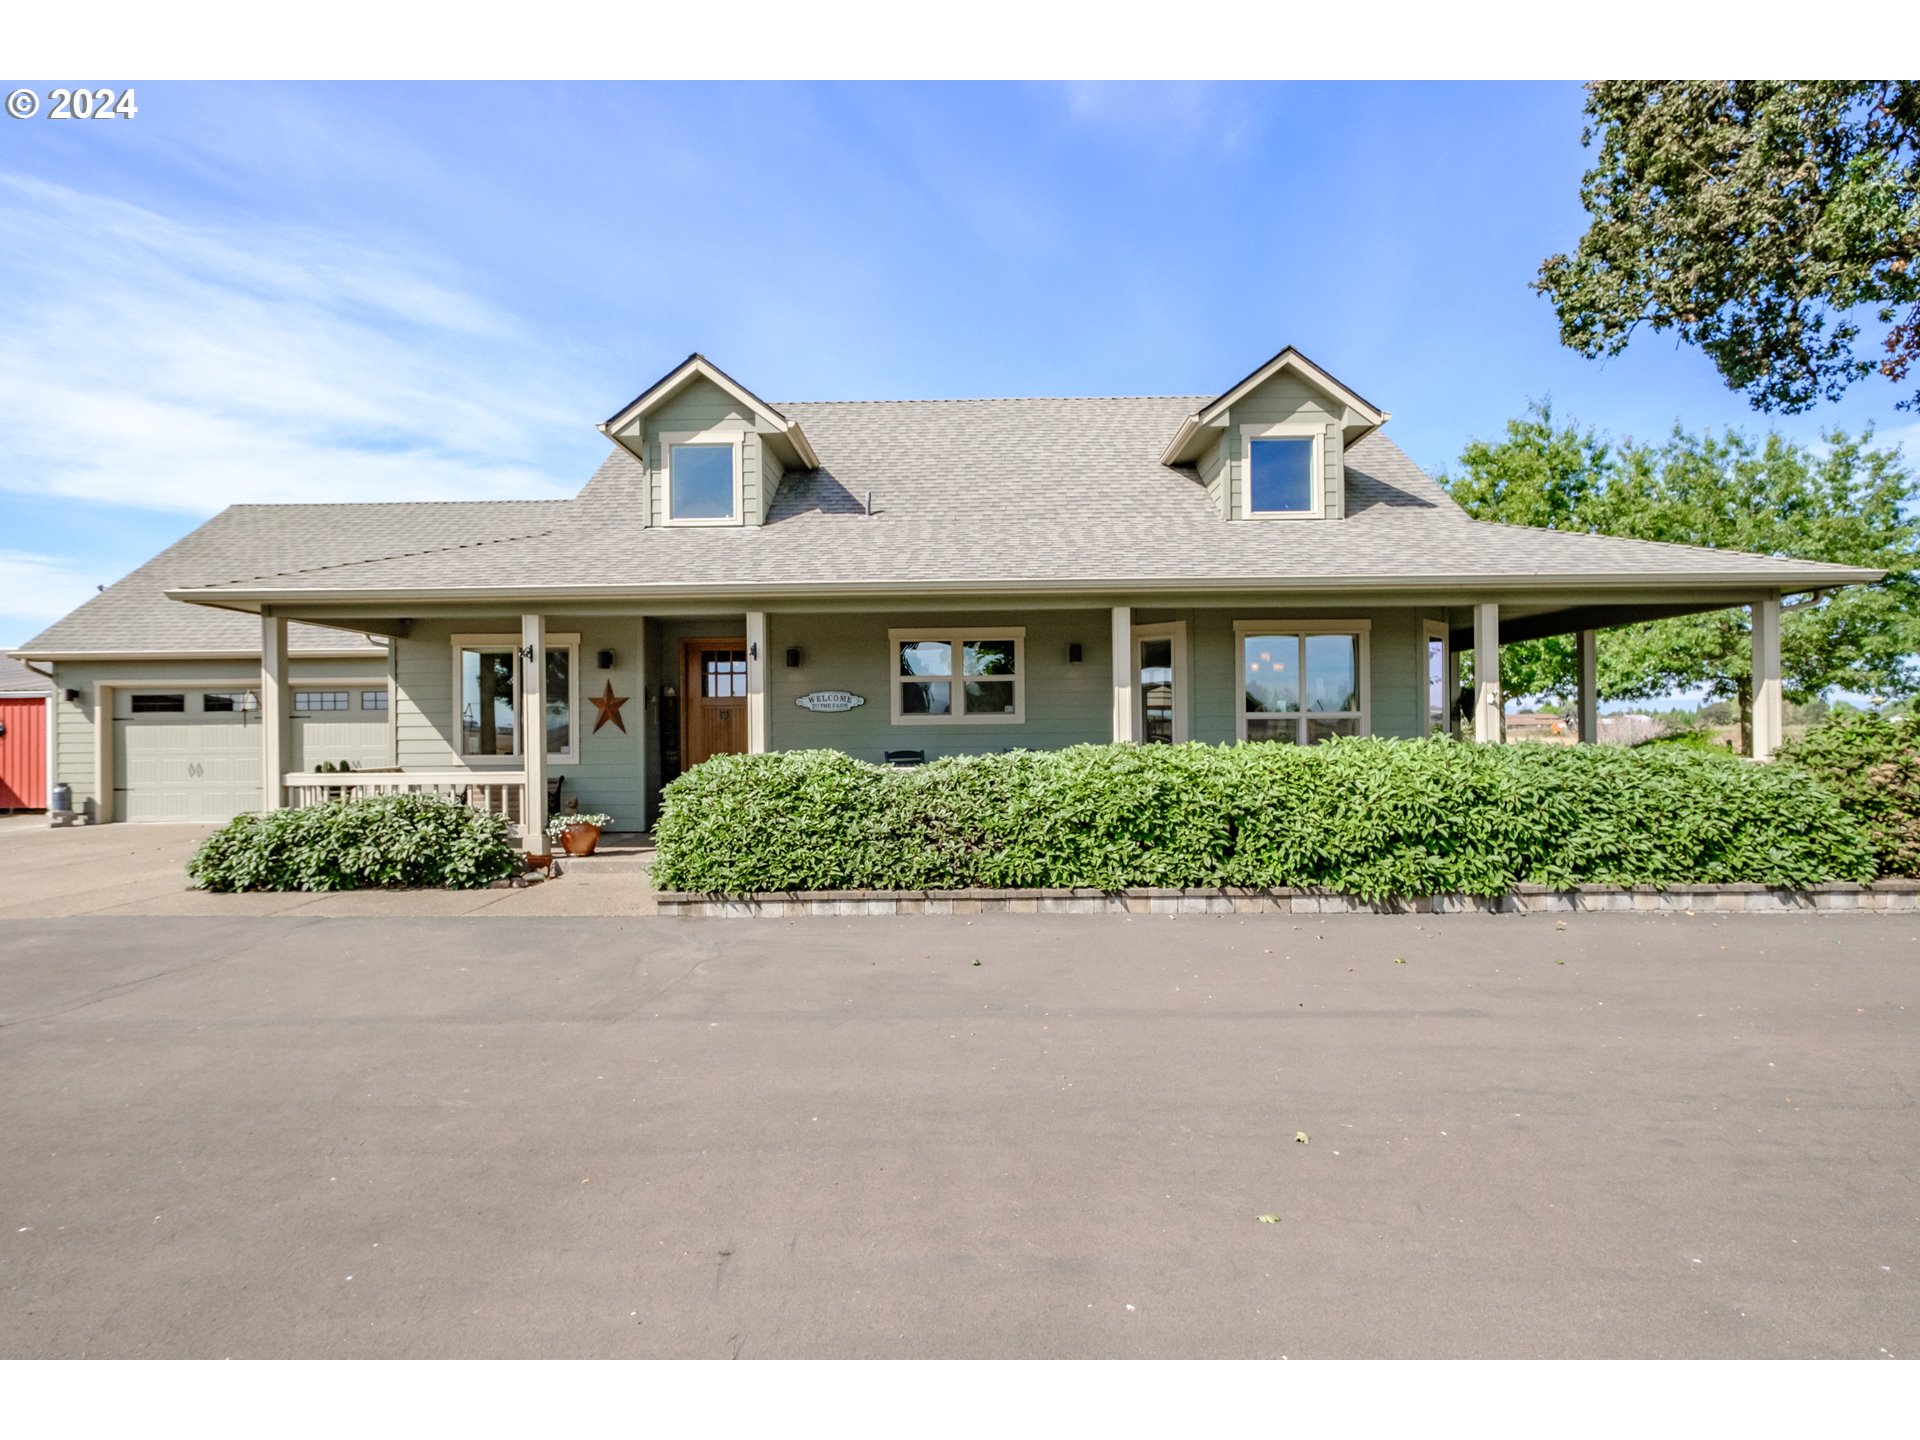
[{"x": 580, "y": 839}]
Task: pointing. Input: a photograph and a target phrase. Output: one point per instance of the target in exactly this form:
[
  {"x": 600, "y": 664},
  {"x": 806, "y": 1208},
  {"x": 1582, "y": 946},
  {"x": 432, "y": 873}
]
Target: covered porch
[{"x": 628, "y": 694}]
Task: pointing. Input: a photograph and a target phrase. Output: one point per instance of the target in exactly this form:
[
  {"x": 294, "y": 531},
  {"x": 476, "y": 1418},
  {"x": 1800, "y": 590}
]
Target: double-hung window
[
  {"x": 1302, "y": 681},
  {"x": 971, "y": 676},
  {"x": 486, "y": 680},
  {"x": 701, "y": 477}
]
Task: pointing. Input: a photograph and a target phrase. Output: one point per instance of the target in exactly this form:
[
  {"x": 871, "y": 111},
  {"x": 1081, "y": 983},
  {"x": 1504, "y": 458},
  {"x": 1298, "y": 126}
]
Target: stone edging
[{"x": 1229, "y": 900}]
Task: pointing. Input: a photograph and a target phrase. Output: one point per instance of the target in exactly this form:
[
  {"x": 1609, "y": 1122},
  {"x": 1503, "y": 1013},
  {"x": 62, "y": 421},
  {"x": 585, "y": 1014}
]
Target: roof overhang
[
  {"x": 1213, "y": 414},
  {"x": 622, "y": 427}
]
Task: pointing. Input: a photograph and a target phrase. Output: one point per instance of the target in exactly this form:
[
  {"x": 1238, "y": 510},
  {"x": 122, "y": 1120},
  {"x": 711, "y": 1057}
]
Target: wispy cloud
[
  {"x": 1163, "y": 116},
  {"x": 187, "y": 365},
  {"x": 41, "y": 588}
]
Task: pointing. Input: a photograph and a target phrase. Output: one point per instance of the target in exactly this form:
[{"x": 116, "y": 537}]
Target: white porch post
[
  {"x": 276, "y": 721},
  {"x": 1589, "y": 698},
  {"x": 532, "y": 723},
  {"x": 756, "y": 682},
  {"x": 1486, "y": 674},
  {"x": 1768, "y": 717},
  {"x": 1123, "y": 679}
]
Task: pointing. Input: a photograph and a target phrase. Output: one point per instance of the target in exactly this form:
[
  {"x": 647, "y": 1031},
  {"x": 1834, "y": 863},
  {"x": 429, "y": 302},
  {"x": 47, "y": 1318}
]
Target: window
[
  {"x": 1160, "y": 683},
  {"x": 487, "y": 679},
  {"x": 1302, "y": 682},
  {"x": 958, "y": 676},
  {"x": 1439, "y": 681},
  {"x": 227, "y": 702},
  {"x": 311, "y": 700},
  {"x": 1283, "y": 469},
  {"x": 159, "y": 704},
  {"x": 702, "y": 478},
  {"x": 373, "y": 699},
  {"x": 723, "y": 674}
]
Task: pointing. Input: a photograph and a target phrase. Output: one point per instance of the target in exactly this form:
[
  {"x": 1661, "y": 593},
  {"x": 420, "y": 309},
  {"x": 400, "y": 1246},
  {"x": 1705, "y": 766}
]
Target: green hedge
[
  {"x": 1369, "y": 817},
  {"x": 1873, "y": 766},
  {"x": 386, "y": 840}
]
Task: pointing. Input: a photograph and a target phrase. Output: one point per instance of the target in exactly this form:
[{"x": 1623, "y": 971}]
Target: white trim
[
  {"x": 1122, "y": 655},
  {"x": 757, "y": 660},
  {"x": 1176, "y": 631},
  {"x": 957, "y": 637},
  {"x": 1489, "y": 704},
  {"x": 735, "y": 440},
  {"x": 556, "y": 640},
  {"x": 1431, "y": 630},
  {"x": 1284, "y": 430},
  {"x": 1362, "y": 630}
]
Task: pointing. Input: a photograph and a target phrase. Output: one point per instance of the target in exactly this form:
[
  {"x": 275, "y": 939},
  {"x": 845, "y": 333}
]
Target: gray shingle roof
[
  {"x": 17, "y": 679},
  {"x": 1021, "y": 493}
]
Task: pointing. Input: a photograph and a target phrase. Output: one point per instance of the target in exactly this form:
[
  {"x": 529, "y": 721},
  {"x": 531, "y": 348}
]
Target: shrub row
[
  {"x": 385, "y": 840},
  {"x": 1369, "y": 817},
  {"x": 1872, "y": 766}
]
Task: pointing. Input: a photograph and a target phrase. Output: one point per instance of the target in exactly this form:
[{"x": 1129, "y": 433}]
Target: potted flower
[{"x": 577, "y": 834}]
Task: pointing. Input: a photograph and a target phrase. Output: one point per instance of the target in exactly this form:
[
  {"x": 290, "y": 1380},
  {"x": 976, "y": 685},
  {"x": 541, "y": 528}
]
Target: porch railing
[{"x": 494, "y": 793}]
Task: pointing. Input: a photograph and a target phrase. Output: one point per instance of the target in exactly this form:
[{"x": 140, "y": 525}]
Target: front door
[{"x": 713, "y": 717}]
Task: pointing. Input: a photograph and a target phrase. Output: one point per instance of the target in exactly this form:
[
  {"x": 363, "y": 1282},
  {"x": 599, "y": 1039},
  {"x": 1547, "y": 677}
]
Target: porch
[{"x": 626, "y": 700}]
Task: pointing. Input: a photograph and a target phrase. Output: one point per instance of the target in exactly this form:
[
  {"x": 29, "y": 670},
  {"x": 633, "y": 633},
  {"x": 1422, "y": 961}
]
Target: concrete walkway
[{"x": 142, "y": 870}]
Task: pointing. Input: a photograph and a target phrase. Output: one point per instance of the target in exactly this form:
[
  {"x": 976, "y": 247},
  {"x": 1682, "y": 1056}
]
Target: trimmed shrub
[
  {"x": 1369, "y": 817},
  {"x": 1873, "y": 766},
  {"x": 380, "y": 841}
]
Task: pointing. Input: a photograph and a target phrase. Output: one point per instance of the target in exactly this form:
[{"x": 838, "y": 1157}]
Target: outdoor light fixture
[
  {"x": 1075, "y": 653},
  {"x": 793, "y": 657},
  {"x": 753, "y": 650},
  {"x": 72, "y": 697},
  {"x": 606, "y": 659}
]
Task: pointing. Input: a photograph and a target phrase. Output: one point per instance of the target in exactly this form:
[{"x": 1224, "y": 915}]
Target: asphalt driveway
[{"x": 1634, "y": 1135}]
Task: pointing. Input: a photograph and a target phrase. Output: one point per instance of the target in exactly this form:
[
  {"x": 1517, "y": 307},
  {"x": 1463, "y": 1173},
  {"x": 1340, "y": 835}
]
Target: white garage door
[{"x": 193, "y": 754}]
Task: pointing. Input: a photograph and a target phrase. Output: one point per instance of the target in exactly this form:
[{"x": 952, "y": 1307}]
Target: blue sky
[{"x": 299, "y": 292}]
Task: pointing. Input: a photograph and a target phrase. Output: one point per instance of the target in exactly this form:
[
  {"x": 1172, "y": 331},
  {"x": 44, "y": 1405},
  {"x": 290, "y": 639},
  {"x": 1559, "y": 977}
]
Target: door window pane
[
  {"x": 159, "y": 704},
  {"x": 1333, "y": 672},
  {"x": 309, "y": 701},
  {"x": 486, "y": 702},
  {"x": 1271, "y": 674},
  {"x": 373, "y": 699},
  {"x": 700, "y": 485},
  {"x": 723, "y": 674},
  {"x": 1281, "y": 474}
]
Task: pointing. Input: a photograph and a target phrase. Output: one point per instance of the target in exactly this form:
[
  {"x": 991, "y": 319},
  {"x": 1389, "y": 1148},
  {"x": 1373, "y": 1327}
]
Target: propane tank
[{"x": 62, "y": 797}]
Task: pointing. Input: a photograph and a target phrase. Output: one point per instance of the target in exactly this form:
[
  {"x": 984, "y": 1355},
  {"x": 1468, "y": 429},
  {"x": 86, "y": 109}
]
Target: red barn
[{"x": 26, "y": 701}]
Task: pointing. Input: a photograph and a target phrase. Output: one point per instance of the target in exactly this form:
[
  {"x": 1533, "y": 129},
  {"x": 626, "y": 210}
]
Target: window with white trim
[
  {"x": 308, "y": 701},
  {"x": 1283, "y": 470},
  {"x": 971, "y": 677},
  {"x": 487, "y": 681},
  {"x": 700, "y": 474},
  {"x": 1302, "y": 682}
]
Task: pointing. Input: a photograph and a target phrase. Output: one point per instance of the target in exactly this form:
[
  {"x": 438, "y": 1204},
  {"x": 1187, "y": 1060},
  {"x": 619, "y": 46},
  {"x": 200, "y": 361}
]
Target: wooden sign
[{"x": 830, "y": 702}]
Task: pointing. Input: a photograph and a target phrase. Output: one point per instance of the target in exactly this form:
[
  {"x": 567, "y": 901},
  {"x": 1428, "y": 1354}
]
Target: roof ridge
[
  {"x": 399, "y": 555},
  {"x": 986, "y": 399},
  {"x": 381, "y": 504}
]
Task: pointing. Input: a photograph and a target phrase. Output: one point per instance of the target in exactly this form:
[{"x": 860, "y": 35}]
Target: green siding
[
  {"x": 1280, "y": 400},
  {"x": 702, "y": 405}
]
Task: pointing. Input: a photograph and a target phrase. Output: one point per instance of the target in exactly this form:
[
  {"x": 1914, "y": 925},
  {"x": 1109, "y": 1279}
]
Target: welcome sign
[{"x": 830, "y": 702}]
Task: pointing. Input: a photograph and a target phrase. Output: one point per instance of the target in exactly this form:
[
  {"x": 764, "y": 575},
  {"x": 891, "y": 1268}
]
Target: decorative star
[{"x": 608, "y": 704}]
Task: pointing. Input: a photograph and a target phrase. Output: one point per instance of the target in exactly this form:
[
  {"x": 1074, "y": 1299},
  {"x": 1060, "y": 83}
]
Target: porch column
[
  {"x": 276, "y": 721},
  {"x": 532, "y": 722},
  {"x": 756, "y": 682},
  {"x": 1589, "y": 698},
  {"x": 1123, "y": 678},
  {"x": 1486, "y": 674},
  {"x": 1768, "y": 718}
]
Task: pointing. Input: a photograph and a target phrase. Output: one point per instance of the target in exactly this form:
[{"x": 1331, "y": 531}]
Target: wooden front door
[{"x": 713, "y": 714}]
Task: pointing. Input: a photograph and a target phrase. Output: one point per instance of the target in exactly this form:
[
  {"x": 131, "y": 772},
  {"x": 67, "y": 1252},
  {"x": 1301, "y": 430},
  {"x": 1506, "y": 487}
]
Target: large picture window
[
  {"x": 1302, "y": 682},
  {"x": 487, "y": 682},
  {"x": 974, "y": 677}
]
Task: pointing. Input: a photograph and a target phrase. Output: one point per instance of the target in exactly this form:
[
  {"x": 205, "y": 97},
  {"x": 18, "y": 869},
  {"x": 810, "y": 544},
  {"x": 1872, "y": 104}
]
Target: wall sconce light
[
  {"x": 1076, "y": 653},
  {"x": 753, "y": 650},
  {"x": 793, "y": 657},
  {"x": 72, "y": 697},
  {"x": 606, "y": 659}
]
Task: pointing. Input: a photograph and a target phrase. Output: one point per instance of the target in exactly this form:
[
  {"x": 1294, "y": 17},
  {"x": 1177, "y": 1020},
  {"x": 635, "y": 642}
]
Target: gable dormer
[
  {"x": 1273, "y": 447},
  {"x": 713, "y": 451}
]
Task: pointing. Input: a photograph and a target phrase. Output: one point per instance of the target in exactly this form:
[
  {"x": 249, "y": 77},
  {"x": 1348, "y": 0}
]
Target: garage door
[{"x": 193, "y": 754}]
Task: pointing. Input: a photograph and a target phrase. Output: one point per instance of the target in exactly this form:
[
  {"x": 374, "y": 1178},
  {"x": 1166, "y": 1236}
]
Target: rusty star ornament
[{"x": 608, "y": 704}]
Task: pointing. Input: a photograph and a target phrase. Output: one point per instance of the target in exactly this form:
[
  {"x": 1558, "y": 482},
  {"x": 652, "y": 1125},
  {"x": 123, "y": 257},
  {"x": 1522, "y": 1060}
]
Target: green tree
[
  {"x": 1764, "y": 221},
  {"x": 1846, "y": 503}
]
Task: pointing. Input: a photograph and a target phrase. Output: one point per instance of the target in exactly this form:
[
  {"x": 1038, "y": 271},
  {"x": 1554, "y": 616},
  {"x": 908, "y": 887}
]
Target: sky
[{"x": 268, "y": 292}]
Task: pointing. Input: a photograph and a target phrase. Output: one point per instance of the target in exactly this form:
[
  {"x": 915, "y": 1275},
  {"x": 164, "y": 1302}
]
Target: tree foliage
[
  {"x": 1764, "y": 221},
  {"x": 1847, "y": 502}
]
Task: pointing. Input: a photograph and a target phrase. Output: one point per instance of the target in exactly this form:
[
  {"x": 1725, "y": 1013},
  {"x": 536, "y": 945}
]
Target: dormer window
[
  {"x": 702, "y": 479},
  {"x": 1284, "y": 471}
]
